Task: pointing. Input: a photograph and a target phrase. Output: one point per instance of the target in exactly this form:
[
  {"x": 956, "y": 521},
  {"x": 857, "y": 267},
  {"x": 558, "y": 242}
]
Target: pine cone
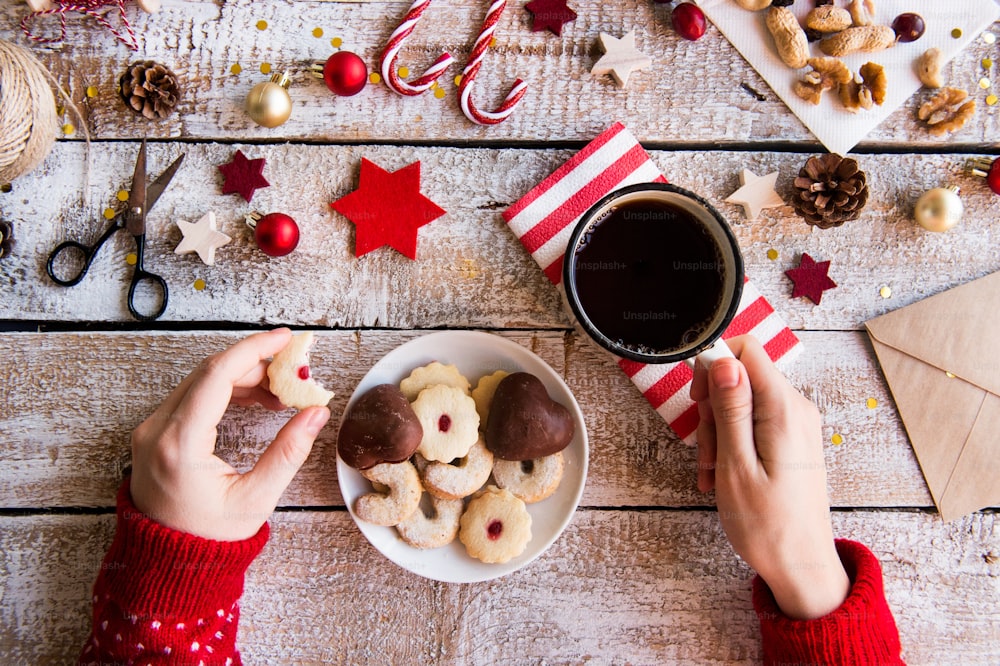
[
  {"x": 6, "y": 238},
  {"x": 149, "y": 88},
  {"x": 830, "y": 190}
]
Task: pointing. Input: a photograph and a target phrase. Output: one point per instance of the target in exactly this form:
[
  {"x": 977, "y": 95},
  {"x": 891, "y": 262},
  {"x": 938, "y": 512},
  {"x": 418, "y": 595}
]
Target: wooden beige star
[
  {"x": 620, "y": 58},
  {"x": 756, "y": 193},
  {"x": 202, "y": 237}
]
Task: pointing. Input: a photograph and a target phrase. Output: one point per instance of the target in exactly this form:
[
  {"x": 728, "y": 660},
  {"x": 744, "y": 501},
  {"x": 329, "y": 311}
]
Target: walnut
[
  {"x": 826, "y": 74},
  {"x": 866, "y": 89},
  {"x": 947, "y": 110}
]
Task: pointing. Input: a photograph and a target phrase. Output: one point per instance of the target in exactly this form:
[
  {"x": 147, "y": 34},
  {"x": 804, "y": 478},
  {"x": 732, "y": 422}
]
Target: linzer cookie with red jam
[
  {"x": 449, "y": 420},
  {"x": 496, "y": 526},
  {"x": 524, "y": 422},
  {"x": 290, "y": 379},
  {"x": 379, "y": 427}
]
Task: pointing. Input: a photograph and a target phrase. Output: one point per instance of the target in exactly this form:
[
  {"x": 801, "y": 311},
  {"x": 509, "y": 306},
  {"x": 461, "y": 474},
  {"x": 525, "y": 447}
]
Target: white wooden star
[
  {"x": 756, "y": 193},
  {"x": 202, "y": 237},
  {"x": 620, "y": 58}
]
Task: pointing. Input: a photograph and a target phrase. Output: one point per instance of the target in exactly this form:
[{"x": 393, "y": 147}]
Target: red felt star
[
  {"x": 810, "y": 278},
  {"x": 387, "y": 209},
  {"x": 549, "y": 15},
  {"x": 243, "y": 176}
]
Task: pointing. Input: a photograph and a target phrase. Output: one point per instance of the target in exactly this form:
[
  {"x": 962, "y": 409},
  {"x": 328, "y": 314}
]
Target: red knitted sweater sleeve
[
  {"x": 166, "y": 597},
  {"x": 862, "y": 631}
]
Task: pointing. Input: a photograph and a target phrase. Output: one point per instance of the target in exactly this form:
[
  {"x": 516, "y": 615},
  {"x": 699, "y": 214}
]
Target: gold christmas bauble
[
  {"x": 939, "y": 209},
  {"x": 268, "y": 103}
]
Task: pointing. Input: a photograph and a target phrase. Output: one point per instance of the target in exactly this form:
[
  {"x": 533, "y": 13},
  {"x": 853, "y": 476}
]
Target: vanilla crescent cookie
[
  {"x": 459, "y": 478},
  {"x": 290, "y": 379},
  {"x": 430, "y": 375},
  {"x": 483, "y": 394},
  {"x": 422, "y": 531},
  {"x": 531, "y": 480},
  {"x": 496, "y": 526},
  {"x": 449, "y": 421},
  {"x": 401, "y": 496}
]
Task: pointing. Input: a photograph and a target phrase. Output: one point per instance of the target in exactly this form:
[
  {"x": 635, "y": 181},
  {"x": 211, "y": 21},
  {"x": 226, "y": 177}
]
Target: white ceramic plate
[{"x": 475, "y": 354}]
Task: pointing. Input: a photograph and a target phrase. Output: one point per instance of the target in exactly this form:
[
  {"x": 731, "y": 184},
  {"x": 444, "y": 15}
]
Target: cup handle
[{"x": 719, "y": 349}]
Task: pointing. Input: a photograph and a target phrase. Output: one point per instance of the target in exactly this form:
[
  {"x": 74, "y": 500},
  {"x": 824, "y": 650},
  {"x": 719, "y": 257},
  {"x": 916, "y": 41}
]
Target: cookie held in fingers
[
  {"x": 496, "y": 526},
  {"x": 524, "y": 422},
  {"x": 380, "y": 426},
  {"x": 396, "y": 496},
  {"x": 449, "y": 421},
  {"x": 290, "y": 378}
]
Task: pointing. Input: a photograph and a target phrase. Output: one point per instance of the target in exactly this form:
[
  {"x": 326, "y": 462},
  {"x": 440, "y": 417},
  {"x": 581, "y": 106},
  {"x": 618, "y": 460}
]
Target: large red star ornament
[
  {"x": 549, "y": 15},
  {"x": 810, "y": 278},
  {"x": 243, "y": 176},
  {"x": 387, "y": 209}
]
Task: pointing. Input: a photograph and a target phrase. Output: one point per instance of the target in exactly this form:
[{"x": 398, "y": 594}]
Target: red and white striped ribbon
[
  {"x": 468, "y": 81},
  {"x": 96, "y": 9},
  {"x": 387, "y": 64},
  {"x": 544, "y": 218}
]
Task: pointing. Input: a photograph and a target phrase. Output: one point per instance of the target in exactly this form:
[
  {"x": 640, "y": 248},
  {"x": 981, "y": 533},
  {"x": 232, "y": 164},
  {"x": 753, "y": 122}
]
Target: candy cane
[
  {"x": 89, "y": 8},
  {"x": 388, "y": 61},
  {"x": 472, "y": 68}
]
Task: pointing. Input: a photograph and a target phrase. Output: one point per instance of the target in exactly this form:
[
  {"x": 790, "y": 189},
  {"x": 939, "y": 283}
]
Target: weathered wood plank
[
  {"x": 647, "y": 587},
  {"x": 470, "y": 270},
  {"x": 689, "y": 80},
  {"x": 71, "y": 400}
]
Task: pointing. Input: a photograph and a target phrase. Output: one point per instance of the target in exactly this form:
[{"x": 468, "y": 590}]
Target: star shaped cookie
[
  {"x": 756, "y": 193},
  {"x": 202, "y": 237},
  {"x": 243, "y": 176},
  {"x": 620, "y": 58},
  {"x": 810, "y": 278},
  {"x": 387, "y": 209},
  {"x": 549, "y": 15}
]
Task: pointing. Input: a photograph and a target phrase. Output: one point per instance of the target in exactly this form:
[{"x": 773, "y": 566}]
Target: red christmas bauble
[
  {"x": 276, "y": 234},
  {"x": 993, "y": 177},
  {"x": 345, "y": 73}
]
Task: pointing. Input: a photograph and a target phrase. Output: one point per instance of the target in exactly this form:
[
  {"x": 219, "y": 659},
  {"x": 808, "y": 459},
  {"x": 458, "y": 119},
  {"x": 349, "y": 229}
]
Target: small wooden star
[
  {"x": 620, "y": 58},
  {"x": 810, "y": 278},
  {"x": 202, "y": 237},
  {"x": 387, "y": 209},
  {"x": 549, "y": 15},
  {"x": 243, "y": 176},
  {"x": 756, "y": 193}
]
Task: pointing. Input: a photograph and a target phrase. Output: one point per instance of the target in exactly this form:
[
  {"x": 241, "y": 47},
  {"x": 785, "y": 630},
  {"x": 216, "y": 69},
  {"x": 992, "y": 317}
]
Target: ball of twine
[{"x": 28, "y": 120}]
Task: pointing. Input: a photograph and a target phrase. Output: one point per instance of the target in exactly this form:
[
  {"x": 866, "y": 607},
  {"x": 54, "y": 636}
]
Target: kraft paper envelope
[{"x": 941, "y": 359}]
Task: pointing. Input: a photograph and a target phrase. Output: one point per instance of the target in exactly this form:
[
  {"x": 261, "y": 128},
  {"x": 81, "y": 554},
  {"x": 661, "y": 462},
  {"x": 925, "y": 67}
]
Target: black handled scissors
[{"x": 133, "y": 219}]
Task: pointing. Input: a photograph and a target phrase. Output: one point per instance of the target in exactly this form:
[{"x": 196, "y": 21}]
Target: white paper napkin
[{"x": 837, "y": 128}]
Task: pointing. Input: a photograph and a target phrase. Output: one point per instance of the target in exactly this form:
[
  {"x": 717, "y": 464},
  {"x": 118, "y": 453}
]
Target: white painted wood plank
[
  {"x": 689, "y": 80},
  {"x": 651, "y": 586},
  {"x": 69, "y": 409},
  {"x": 470, "y": 270}
]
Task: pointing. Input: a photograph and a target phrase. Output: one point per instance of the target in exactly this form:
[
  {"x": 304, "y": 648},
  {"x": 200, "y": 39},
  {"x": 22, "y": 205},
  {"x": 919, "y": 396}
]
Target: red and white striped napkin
[{"x": 544, "y": 219}]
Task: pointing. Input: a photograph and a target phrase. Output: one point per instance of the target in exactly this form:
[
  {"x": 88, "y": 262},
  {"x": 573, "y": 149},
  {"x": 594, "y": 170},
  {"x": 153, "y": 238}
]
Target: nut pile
[{"x": 845, "y": 30}]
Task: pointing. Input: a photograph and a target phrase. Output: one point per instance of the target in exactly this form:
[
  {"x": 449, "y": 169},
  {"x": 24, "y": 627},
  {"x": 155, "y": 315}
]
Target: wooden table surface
[{"x": 643, "y": 574}]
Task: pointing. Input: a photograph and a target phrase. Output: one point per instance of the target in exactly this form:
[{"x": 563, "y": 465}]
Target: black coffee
[{"x": 649, "y": 276}]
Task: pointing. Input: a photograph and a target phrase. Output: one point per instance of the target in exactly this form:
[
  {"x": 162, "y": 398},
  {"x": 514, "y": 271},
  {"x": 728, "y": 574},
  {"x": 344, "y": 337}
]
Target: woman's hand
[
  {"x": 760, "y": 447},
  {"x": 178, "y": 481}
]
